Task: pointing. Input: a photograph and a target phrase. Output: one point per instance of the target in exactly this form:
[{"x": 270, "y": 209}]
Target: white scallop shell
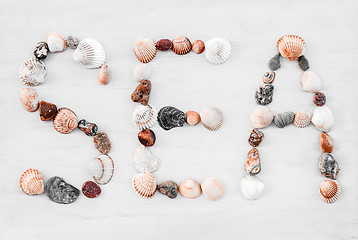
[
  {"x": 89, "y": 53},
  {"x": 217, "y": 50},
  {"x": 102, "y": 169},
  {"x": 251, "y": 187},
  {"x": 144, "y": 160},
  {"x": 142, "y": 72},
  {"x": 144, "y": 184},
  {"x": 55, "y": 42},
  {"x": 211, "y": 118},
  {"x": 260, "y": 117},
  {"x": 212, "y": 189},
  {"x": 32, "y": 72},
  {"x": 145, "y": 116},
  {"x": 310, "y": 82},
  {"x": 323, "y": 119}
]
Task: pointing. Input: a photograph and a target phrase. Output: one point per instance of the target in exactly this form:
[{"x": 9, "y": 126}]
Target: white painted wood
[{"x": 290, "y": 207}]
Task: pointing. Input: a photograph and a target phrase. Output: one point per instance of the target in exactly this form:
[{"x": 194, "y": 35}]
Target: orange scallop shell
[
  {"x": 192, "y": 118},
  {"x": 65, "y": 121},
  {"x": 330, "y": 190},
  {"x": 31, "y": 182},
  {"x": 29, "y": 99},
  {"x": 145, "y": 50},
  {"x": 302, "y": 119},
  {"x": 144, "y": 184},
  {"x": 291, "y": 47},
  {"x": 181, "y": 45}
]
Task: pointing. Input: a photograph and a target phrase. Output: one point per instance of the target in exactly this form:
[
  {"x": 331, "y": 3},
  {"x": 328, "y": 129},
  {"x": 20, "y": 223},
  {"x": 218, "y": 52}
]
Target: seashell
[
  {"x": 32, "y": 72},
  {"x": 264, "y": 94},
  {"x": 104, "y": 75},
  {"x": 322, "y": 119},
  {"x": 145, "y": 116},
  {"x": 274, "y": 62},
  {"x": 283, "y": 119},
  {"x": 330, "y": 190},
  {"x": 169, "y": 189},
  {"x": 31, "y": 182},
  {"x": 319, "y": 99},
  {"x": 291, "y": 47},
  {"x": 142, "y": 72},
  {"x": 302, "y": 119},
  {"x": 303, "y": 63},
  {"x": 181, "y": 45},
  {"x": 198, "y": 46},
  {"x": 251, "y": 187},
  {"x": 255, "y": 138},
  {"x": 59, "y": 191},
  {"x": 164, "y": 44},
  {"x": 29, "y": 99},
  {"x": 192, "y": 118},
  {"x": 260, "y": 117},
  {"x": 144, "y": 160},
  {"x": 269, "y": 77},
  {"x": 211, "y": 118},
  {"x": 145, "y": 50},
  {"x": 170, "y": 117},
  {"x": 252, "y": 164},
  {"x": 55, "y": 42},
  {"x": 65, "y": 121},
  {"x": 218, "y": 50},
  {"x": 89, "y": 53},
  {"x": 212, "y": 189},
  {"x": 328, "y": 166},
  {"x": 326, "y": 143},
  {"x": 190, "y": 189},
  {"x": 72, "y": 42},
  {"x": 146, "y": 137},
  {"x": 102, "y": 143},
  {"x": 91, "y": 189},
  {"x": 102, "y": 169},
  {"x": 90, "y": 129},
  {"x": 142, "y": 92},
  {"x": 144, "y": 184},
  {"x": 47, "y": 111},
  {"x": 310, "y": 82},
  {"x": 41, "y": 50}
]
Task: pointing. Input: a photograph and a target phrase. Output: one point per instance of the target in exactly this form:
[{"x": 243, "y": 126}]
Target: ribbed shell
[
  {"x": 291, "y": 47},
  {"x": 260, "y": 117},
  {"x": 283, "y": 119},
  {"x": 65, "y": 121},
  {"x": 31, "y": 182},
  {"x": 102, "y": 169},
  {"x": 330, "y": 190},
  {"x": 145, "y": 50},
  {"x": 251, "y": 187},
  {"x": 192, "y": 118},
  {"x": 323, "y": 119},
  {"x": 217, "y": 50},
  {"x": 29, "y": 99},
  {"x": 211, "y": 118},
  {"x": 302, "y": 119},
  {"x": 190, "y": 189},
  {"x": 181, "y": 45},
  {"x": 55, "y": 42},
  {"x": 144, "y": 160},
  {"x": 32, "y": 72},
  {"x": 269, "y": 77},
  {"x": 212, "y": 189},
  {"x": 145, "y": 116},
  {"x": 144, "y": 184},
  {"x": 142, "y": 72},
  {"x": 90, "y": 54}
]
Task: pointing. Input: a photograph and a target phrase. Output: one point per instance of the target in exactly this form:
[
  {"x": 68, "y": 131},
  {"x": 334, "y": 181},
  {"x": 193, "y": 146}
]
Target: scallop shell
[
  {"x": 251, "y": 187},
  {"x": 145, "y": 116},
  {"x": 211, "y": 118},
  {"x": 65, "y": 121},
  {"x": 217, "y": 50},
  {"x": 269, "y": 77},
  {"x": 260, "y": 117},
  {"x": 291, "y": 47},
  {"x": 32, "y": 72},
  {"x": 29, "y": 99},
  {"x": 190, "y": 189},
  {"x": 330, "y": 190},
  {"x": 322, "y": 119},
  {"x": 144, "y": 184},
  {"x": 192, "y": 118},
  {"x": 55, "y": 42},
  {"x": 104, "y": 75},
  {"x": 310, "y": 82},
  {"x": 102, "y": 169},
  {"x": 145, "y": 50},
  {"x": 31, "y": 182},
  {"x": 212, "y": 189},
  {"x": 89, "y": 53},
  {"x": 302, "y": 119},
  {"x": 144, "y": 160},
  {"x": 142, "y": 72},
  {"x": 181, "y": 45}
]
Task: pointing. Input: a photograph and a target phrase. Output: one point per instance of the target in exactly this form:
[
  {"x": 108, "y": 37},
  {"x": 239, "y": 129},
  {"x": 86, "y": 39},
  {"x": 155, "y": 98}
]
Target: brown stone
[
  {"x": 102, "y": 143},
  {"x": 146, "y": 137},
  {"x": 164, "y": 44},
  {"x": 47, "y": 111},
  {"x": 142, "y": 92},
  {"x": 198, "y": 46},
  {"x": 255, "y": 137},
  {"x": 326, "y": 143}
]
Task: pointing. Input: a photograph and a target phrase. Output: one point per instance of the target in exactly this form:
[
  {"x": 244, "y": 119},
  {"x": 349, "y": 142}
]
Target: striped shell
[
  {"x": 31, "y": 182},
  {"x": 32, "y": 72},
  {"x": 260, "y": 117},
  {"x": 251, "y": 187},
  {"x": 283, "y": 119},
  {"x": 102, "y": 169},
  {"x": 90, "y": 54},
  {"x": 192, "y": 118},
  {"x": 190, "y": 189},
  {"x": 145, "y": 50},
  {"x": 269, "y": 77},
  {"x": 330, "y": 190},
  {"x": 302, "y": 119},
  {"x": 65, "y": 121},
  {"x": 144, "y": 184},
  {"x": 291, "y": 47},
  {"x": 144, "y": 160},
  {"x": 211, "y": 118},
  {"x": 310, "y": 82},
  {"x": 142, "y": 72},
  {"x": 145, "y": 116},
  {"x": 29, "y": 99},
  {"x": 55, "y": 42},
  {"x": 212, "y": 189},
  {"x": 181, "y": 45},
  {"x": 217, "y": 50},
  {"x": 323, "y": 119}
]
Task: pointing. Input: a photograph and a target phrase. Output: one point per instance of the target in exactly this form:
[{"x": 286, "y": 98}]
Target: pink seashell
[
  {"x": 190, "y": 189},
  {"x": 260, "y": 117},
  {"x": 144, "y": 184},
  {"x": 29, "y": 99},
  {"x": 31, "y": 182},
  {"x": 145, "y": 50},
  {"x": 65, "y": 121},
  {"x": 55, "y": 42},
  {"x": 291, "y": 47},
  {"x": 104, "y": 75},
  {"x": 212, "y": 188},
  {"x": 181, "y": 45},
  {"x": 302, "y": 119},
  {"x": 192, "y": 118},
  {"x": 330, "y": 190}
]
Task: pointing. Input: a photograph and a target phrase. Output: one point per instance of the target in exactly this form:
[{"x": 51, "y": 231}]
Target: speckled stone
[
  {"x": 171, "y": 117},
  {"x": 264, "y": 94},
  {"x": 169, "y": 189},
  {"x": 102, "y": 143},
  {"x": 90, "y": 129},
  {"x": 59, "y": 191},
  {"x": 303, "y": 63}
]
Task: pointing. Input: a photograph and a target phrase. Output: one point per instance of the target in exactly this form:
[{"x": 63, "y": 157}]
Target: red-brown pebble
[
  {"x": 326, "y": 143},
  {"x": 164, "y": 44},
  {"x": 146, "y": 137},
  {"x": 47, "y": 111},
  {"x": 319, "y": 99},
  {"x": 91, "y": 189},
  {"x": 198, "y": 46}
]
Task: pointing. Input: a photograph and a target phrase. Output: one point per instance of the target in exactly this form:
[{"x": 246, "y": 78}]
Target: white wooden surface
[{"x": 290, "y": 207}]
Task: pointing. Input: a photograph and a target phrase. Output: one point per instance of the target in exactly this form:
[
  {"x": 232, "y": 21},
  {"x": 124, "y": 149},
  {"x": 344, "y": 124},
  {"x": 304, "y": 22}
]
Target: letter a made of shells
[
  {"x": 291, "y": 47},
  {"x": 217, "y": 51},
  {"x": 90, "y": 54}
]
